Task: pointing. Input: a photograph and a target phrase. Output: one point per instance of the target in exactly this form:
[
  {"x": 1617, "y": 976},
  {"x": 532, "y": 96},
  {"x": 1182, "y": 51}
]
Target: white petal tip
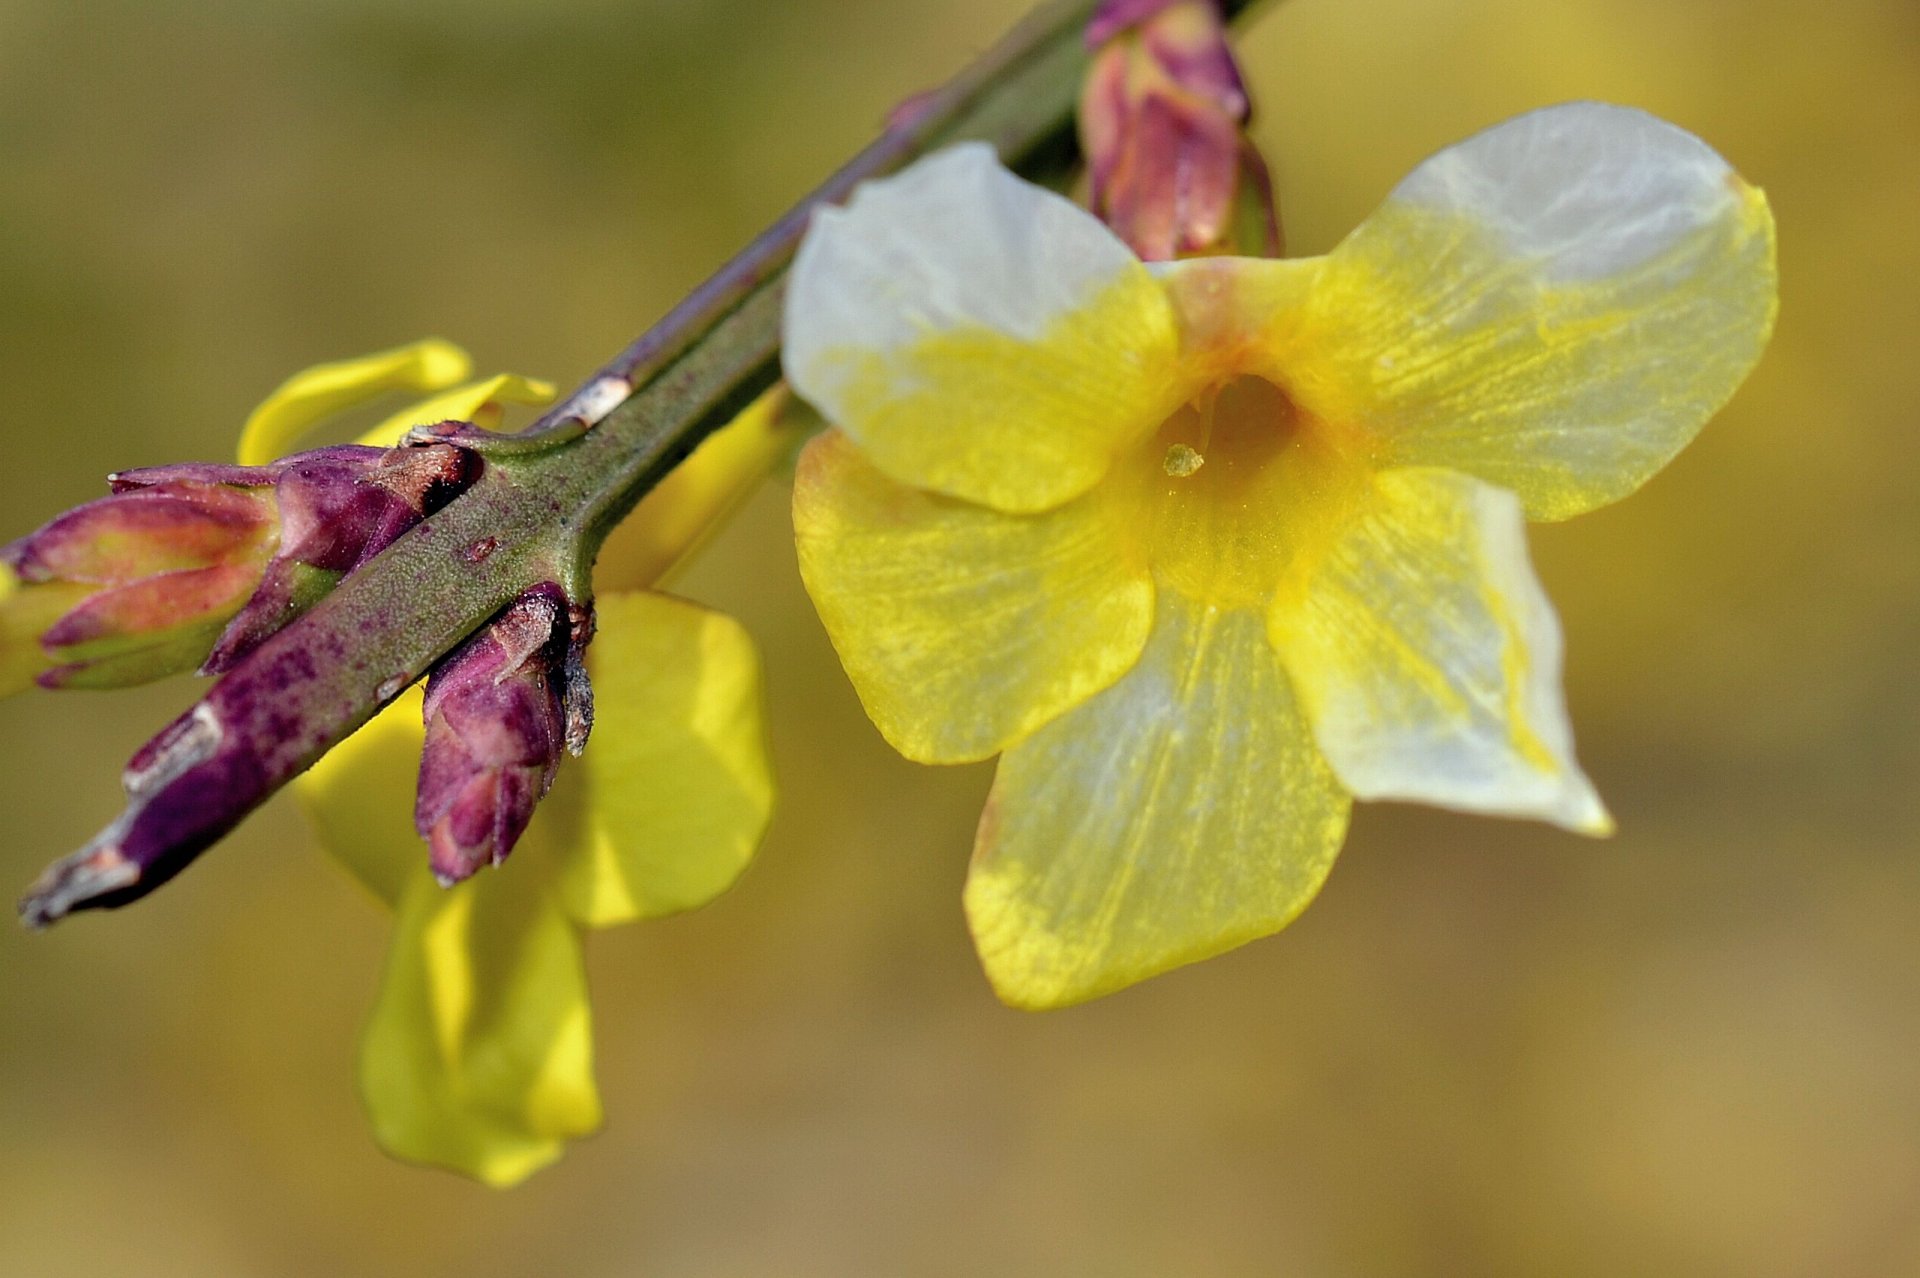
[
  {"x": 1588, "y": 188},
  {"x": 1567, "y": 801},
  {"x": 1570, "y": 801},
  {"x": 1583, "y": 813}
]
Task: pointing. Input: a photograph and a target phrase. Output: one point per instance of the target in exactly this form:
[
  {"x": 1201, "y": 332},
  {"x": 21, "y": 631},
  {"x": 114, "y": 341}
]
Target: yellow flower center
[{"x": 1237, "y": 492}]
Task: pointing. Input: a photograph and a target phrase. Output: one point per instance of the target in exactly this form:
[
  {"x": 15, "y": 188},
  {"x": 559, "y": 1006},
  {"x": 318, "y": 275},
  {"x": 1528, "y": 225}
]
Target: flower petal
[
  {"x": 1556, "y": 305},
  {"x": 317, "y": 392},
  {"x": 1428, "y": 657},
  {"x": 669, "y": 801},
  {"x": 1181, "y": 812},
  {"x": 479, "y": 1054},
  {"x": 1239, "y": 316},
  {"x": 977, "y": 335},
  {"x": 477, "y": 402},
  {"x": 359, "y": 797},
  {"x": 962, "y": 628}
]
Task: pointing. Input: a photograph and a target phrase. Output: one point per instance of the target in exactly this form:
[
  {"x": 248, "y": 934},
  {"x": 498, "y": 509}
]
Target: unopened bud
[
  {"x": 196, "y": 564},
  {"x": 136, "y": 585},
  {"x": 1162, "y": 120},
  {"x": 339, "y": 507},
  {"x": 497, "y": 719}
]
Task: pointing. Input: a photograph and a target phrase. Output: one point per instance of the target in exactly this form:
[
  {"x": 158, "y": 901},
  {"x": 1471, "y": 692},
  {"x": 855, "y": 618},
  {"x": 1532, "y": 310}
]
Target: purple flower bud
[
  {"x": 282, "y": 705},
  {"x": 1112, "y": 17},
  {"x": 499, "y": 711},
  {"x": 1162, "y": 119},
  {"x": 339, "y": 507}
]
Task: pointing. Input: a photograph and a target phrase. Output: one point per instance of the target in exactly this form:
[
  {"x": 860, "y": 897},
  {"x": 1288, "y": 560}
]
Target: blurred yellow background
[{"x": 1490, "y": 1048}]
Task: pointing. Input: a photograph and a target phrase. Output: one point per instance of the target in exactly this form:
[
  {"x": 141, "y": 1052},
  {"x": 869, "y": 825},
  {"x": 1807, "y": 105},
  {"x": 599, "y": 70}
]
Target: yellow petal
[
  {"x": 318, "y": 392},
  {"x": 962, "y": 628},
  {"x": 1555, "y": 306},
  {"x": 1181, "y": 812},
  {"x": 670, "y": 799},
  {"x": 359, "y": 797},
  {"x": 477, "y": 402},
  {"x": 977, "y": 335},
  {"x": 1239, "y": 316},
  {"x": 479, "y": 1054},
  {"x": 693, "y": 501},
  {"x": 1428, "y": 657}
]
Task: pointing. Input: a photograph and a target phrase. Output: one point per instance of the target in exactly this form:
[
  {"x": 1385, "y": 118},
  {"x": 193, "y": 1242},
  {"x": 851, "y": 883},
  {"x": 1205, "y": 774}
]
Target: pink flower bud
[
  {"x": 137, "y": 584},
  {"x": 497, "y": 722},
  {"x": 1162, "y": 116},
  {"x": 195, "y": 564}
]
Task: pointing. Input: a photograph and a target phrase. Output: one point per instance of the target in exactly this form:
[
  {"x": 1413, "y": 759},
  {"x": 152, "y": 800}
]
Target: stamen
[{"x": 1204, "y": 405}]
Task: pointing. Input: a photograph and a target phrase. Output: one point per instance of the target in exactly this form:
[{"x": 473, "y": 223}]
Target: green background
[{"x": 1489, "y": 1048}]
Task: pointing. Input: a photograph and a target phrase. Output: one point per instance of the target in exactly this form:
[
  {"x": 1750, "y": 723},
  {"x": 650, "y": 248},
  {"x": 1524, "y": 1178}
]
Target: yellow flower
[
  {"x": 1209, "y": 547},
  {"x": 479, "y": 1052}
]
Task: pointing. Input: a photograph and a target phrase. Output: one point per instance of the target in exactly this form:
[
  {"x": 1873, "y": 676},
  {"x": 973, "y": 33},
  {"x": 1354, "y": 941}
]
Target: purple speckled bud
[
  {"x": 339, "y": 507},
  {"x": 284, "y": 702},
  {"x": 499, "y": 712}
]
